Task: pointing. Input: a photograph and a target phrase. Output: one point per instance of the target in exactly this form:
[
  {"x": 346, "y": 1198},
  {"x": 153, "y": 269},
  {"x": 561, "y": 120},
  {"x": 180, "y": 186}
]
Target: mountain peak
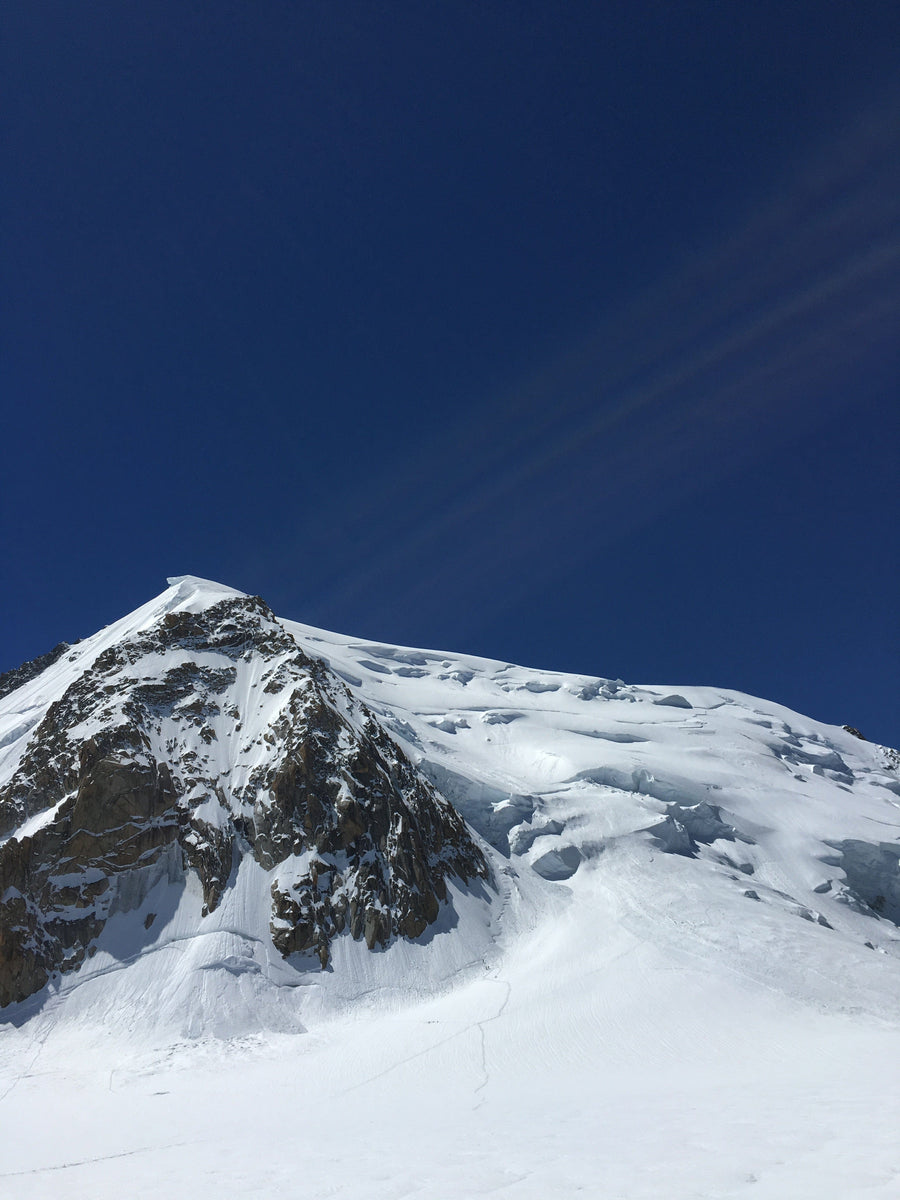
[
  {"x": 187, "y": 587},
  {"x": 204, "y": 802},
  {"x": 201, "y": 764},
  {"x": 196, "y": 583}
]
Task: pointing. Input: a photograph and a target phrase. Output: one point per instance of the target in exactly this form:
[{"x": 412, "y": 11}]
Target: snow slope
[{"x": 685, "y": 984}]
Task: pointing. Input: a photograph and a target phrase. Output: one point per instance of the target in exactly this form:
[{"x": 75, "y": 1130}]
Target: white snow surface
[{"x": 619, "y": 1021}]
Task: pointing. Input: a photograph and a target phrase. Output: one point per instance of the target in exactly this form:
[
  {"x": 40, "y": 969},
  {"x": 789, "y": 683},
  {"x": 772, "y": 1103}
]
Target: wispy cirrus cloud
[{"x": 744, "y": 340}]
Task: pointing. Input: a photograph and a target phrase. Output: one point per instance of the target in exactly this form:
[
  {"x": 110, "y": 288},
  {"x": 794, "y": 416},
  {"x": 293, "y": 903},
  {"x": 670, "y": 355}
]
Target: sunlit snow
[{"x": 685, "y": 984}]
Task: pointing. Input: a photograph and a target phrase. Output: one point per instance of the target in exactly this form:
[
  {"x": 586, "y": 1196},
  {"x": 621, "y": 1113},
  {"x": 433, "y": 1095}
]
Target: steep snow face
[{"x": 686, "y": 801}]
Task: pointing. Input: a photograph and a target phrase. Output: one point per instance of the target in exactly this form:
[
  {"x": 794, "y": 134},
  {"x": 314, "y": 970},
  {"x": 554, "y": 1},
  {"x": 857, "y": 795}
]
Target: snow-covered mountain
[{"x": 506, "y": 887}]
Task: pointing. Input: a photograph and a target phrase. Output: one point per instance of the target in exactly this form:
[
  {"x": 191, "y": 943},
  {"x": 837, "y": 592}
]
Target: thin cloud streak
[{"x": 753, "y": 331}]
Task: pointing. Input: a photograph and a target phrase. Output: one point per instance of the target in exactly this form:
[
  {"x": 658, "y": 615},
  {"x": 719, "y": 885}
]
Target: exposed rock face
[
  {"x": 207, "y": 737},
  {"x": 55, "y": 887}
]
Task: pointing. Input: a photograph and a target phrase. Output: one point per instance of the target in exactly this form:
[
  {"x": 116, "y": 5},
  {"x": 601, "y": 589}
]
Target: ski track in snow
[
  {"x": 86, "y": 1162},
  {"x": 630, "y": 1024}
]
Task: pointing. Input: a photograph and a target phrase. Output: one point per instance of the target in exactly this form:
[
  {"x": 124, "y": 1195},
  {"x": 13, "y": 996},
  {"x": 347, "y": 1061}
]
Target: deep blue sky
[{"x": 560, "y": 333}]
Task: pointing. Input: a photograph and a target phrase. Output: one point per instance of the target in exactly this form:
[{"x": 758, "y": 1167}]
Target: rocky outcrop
[
  {"x": 58, "y": 886},
  {"x": 203, "y": 739},
  {"x": 381, "y": 841}
]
